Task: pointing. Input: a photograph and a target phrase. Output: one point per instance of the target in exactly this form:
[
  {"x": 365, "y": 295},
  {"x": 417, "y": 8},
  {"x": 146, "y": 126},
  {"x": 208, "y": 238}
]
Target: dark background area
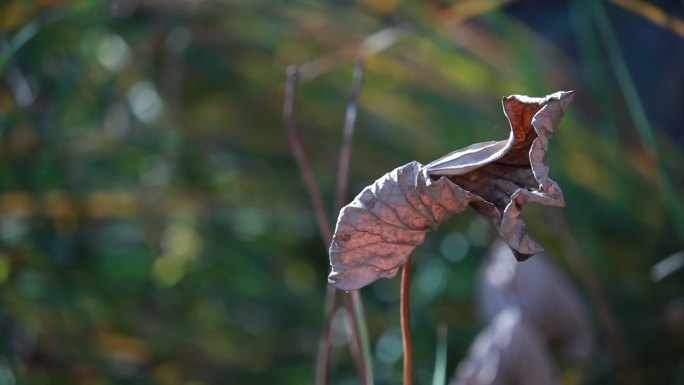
[{"x": 154, "y": 228}]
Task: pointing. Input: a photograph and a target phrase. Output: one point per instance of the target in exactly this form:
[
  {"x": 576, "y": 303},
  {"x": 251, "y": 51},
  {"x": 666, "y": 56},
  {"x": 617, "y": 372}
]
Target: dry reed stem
[{"x": 324, "y": 224}]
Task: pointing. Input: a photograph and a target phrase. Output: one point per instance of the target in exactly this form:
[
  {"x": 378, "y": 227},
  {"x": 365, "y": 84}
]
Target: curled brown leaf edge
[{"x": 378, "y": 230}]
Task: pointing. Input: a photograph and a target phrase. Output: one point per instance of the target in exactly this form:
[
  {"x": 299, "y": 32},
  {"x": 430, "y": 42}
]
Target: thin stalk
[
  {"x": 364, "y": 339},
  {"x": 359, "y": 343},
  {"x": 349, "y": 125},
  {"x": 324, "y": 227},
  {"x": 359, "y": 349},
  {"x": 302, "y": 161},
  {"x": 405, "y": 311},
  {"x": 323, "y": 356},
  {"x": 354, "y": 340},
  {"x": 371, "y": 45}
]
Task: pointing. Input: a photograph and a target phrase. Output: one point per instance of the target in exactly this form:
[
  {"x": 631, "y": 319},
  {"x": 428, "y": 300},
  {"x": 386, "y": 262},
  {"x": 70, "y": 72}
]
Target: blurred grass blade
[
  {"x": 363, "y": 336},
  {"x": 465, "y": 10},
  {"x": 653, "y": 14},
  {"x": 439, "y": 375},
  {"x": 17, "y": 41},
  {"x": 9, "y": 47},
  {"x": 629, "y": 91},
  {"x": 371, "y": 45},
  {"x": 638, "y": 114}
]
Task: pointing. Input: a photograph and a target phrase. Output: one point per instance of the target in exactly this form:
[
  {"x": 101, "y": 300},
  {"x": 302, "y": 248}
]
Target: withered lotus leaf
[
  {"x": 543, "y": 294},
  {"x": 509, "y": 351},
  {"x": 377, "y": 231}
]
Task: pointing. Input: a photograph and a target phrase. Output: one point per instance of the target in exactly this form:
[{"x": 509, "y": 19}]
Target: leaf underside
[{"x": 377, "y": 231}]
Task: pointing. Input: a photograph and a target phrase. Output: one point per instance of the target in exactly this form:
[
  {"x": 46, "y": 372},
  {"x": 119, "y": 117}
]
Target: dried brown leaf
[
  {"x": 378, "y": 230},
  {"x": 508, "y": 351},
  {"x": 543, "y": 294}
]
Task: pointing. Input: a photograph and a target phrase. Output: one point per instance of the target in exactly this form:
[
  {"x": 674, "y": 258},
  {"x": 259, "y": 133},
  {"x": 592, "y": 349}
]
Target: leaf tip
[{"x": 565, "y": 97}]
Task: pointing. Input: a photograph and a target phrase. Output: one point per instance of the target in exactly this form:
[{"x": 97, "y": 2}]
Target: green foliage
[{"x": 154, "y": 227}]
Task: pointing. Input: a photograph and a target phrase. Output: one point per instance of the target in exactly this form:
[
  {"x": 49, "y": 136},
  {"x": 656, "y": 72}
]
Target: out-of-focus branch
[
  {"x": 349, "y": 124},
  {"x": 302, "y": 161},
  {"x": 360, "y": 351},
  {"x": 323, "y": 356},
  {"x": 372, "y": 44},
  {"x": 321, "y": 217},
  {"x": 355, "y": 345},
  {"x": 362, "y": 335},
  {"x": 464, "y": 10},
  {"x": 353, "y": 303}
]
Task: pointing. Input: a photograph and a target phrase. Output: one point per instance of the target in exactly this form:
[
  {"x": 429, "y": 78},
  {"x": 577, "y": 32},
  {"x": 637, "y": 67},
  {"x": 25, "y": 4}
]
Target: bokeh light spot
[
  {"x": 168, "y": 271},
  {"x": 389, "y": 348},
  {"x": 178, "y": 39},
  {"x": 478, "y": 232},
  {"x": 454, "y": 246},
  {"x": 145, "y": 102},
  {"x": 430, "y": 281},
  {"x": 113, "y": 52}
]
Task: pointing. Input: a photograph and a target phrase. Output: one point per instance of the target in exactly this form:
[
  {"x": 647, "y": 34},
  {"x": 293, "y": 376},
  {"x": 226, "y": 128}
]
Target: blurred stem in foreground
[
  {"x": 359, "y": 344},
  {"x": 353, "y": 300},
  {"x": 440, "y": 372},
  {"x": 353, "y": 304},
  {"x": 302, "y": 161}
]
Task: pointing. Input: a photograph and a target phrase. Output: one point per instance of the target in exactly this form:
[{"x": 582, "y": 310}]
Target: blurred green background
[{"x": 154, "y": 228}]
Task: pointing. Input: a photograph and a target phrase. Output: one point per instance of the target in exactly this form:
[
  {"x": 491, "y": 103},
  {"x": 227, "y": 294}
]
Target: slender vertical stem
[
  {"x": 359, "y": 342},
  {"x": 364, "y": 340},
  {"x": 359, "y": 349},
  {"x": 302, "y": 161},
  {"x": 406, "y": 322},
  {"x": 321, "y": 218},
  {"x": 323, "y": 356},
  {"x": 354, "y": 340},
  {"x": 349, "y": 124}
]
